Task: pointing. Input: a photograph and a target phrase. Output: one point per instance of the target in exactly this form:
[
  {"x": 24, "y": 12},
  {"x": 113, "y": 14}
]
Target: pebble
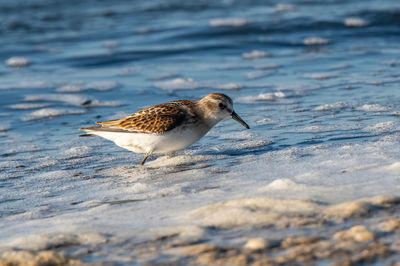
[
  {"x": 256, "y": 244},
  {"x": 358, "y": 233}
]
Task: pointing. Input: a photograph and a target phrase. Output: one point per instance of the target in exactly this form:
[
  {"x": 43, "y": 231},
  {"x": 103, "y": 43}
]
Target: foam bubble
[
  {"x": 98, "y": 103},
  {"x": 355, "y": 22},
  {"x": 70, "y": 88},
  {"x": 252, "y": 144},
  {"x": 321, "y": 76},
  {"x": 381, "y": 127},
  {"x": 239, "y": 135},
  {"x": 230, "y": 86},
  {"x": 262, "y": 97},
  {"x": 77, "y": 152},
  {"x": 315, "y": 41},
  {"x": 105, "y": 85},
  {"x": 284, "y": 184},
  {"x": 50, "y": 112},
  {"x": 27, "y": 106},
  {"x": 255, "y": 54},
  {"x": 331, "y": 107},
  {"x": 178, "y": 84},
  {"x": 228, "y": 22},
  {"x": 178, "y": 160},
  {"x": 18, "y": 62},
  {"x": 373, "y": 108},
  {"x": 265, "y": 121},
  {"x": 72, "y": 99},
  {"x": 32, "y": 84}
]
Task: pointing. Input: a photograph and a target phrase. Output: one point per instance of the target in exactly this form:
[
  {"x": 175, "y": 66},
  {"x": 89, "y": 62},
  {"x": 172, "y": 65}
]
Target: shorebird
[{"x": 168, "y": 127}]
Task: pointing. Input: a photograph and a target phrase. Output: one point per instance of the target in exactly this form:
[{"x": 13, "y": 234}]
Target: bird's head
[{"x": 218, "y": 106}]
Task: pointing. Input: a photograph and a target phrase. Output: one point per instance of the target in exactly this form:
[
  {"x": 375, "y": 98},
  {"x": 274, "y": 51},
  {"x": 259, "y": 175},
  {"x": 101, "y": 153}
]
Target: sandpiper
[{"x": 168, "y": 127}]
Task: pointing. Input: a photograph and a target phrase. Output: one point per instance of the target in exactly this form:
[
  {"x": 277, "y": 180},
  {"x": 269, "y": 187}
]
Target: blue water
[{"x": 128, "y": 53}]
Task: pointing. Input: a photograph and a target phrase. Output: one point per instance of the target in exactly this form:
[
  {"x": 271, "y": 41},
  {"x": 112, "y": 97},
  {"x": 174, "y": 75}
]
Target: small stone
[
  {"x": 295, "y": 241},
  {"x": 233, "y": 260},
  {"x": 32, "y": 258},
  {"x": 347, "y": 210},
  {"x": 384, "y": 201},
  {"x": 256, "y": 244},
  {"x": 206, "y": 258},
  {"x": 191, "y": 250},
  {"x": 358, "y": 233},
  {"x": 389, "y": 226}
]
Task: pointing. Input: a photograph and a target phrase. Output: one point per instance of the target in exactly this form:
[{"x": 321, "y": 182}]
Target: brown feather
[{"x": 156, "y": 119}]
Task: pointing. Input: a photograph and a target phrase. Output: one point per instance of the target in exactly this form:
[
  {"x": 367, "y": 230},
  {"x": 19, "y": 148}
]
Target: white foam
[
  {"x": 331, "y": 107},
  {"x": 70, "y": 88},
  {"x": 230, "y": 86},
  {"x": 18, "y": 62},
  {"x": 77, "y": 152},
  {"x": 255, "y": 54},
  {"x": 315, "y": 41},
  {"x": 266, "y": 121},
  {"x": 31, "y": 84},
  {"x": 228, "y": 22},
  {"x": 51, "y": 112},
  {"x": 179, "y": 84},
  {"x": 381, "y": 127},
  {"x": 164, "y": 161},
  {"x": 321, "y": 76},
  {"x": 252, "y": 144},
  {"x": 240, "y": 135},
  {"x": 262, "y": 97},
  {"x": 355, "y": 22},
  {"x": 98, "y": 103},
  {"x": 317, "y": 129},
  {"x": 72, "y": 99},
  {"x": 104, "y": 85},
  {"x": 27, "y": 106},
  {"x": 373, "y": 108},
  {"x": 284, "y": 184}
]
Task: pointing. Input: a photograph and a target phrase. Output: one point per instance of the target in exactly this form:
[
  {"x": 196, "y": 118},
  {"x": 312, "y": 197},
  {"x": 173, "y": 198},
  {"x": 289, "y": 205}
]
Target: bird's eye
[{"x": 221, "y": 105}]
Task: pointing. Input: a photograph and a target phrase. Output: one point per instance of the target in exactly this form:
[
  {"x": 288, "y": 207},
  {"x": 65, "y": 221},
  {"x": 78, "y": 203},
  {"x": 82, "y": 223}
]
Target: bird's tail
[{"x": 88, "y": 129}]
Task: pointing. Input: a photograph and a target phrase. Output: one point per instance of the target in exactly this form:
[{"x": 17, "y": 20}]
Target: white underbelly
[{"x": 173, "y": 140}]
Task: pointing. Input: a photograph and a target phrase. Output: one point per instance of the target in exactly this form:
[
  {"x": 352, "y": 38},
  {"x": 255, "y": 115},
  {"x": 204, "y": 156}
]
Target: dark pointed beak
[{"x": 240, "y": 120}]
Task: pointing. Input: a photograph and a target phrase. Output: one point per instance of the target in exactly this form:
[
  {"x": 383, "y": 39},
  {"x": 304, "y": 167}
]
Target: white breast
[{"x": 174, "y": 140}]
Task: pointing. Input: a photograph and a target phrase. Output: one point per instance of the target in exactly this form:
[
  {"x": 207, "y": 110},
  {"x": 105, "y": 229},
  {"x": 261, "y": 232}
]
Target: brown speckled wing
[{"x": 156, "y": 119}]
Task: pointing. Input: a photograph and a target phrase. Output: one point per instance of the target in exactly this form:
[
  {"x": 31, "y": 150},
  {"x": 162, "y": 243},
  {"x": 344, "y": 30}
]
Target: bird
[{"x": 168, "y": 127}]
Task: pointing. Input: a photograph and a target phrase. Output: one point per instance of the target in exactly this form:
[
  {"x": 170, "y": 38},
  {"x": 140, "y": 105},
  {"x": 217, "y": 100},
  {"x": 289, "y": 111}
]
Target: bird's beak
[{"x": 240, "y": 120}]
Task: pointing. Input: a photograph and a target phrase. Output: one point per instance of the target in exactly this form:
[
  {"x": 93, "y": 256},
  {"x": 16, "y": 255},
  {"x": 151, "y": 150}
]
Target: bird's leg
[{"x": 145, "y": 157}]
